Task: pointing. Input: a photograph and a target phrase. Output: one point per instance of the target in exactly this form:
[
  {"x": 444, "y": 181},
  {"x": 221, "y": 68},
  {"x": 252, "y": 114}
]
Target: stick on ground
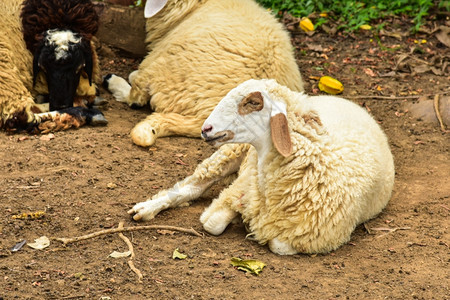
[
  {"x": 438, "y": 113},
  {"x": 66, "y": 241},
  {"x": 131, "y": 249}
]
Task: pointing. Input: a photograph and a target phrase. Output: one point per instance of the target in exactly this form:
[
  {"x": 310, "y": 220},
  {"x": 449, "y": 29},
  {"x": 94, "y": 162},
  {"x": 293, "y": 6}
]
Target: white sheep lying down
[
  {"x": 316, "y": 167},
  {"x": 198, "y": 51}
]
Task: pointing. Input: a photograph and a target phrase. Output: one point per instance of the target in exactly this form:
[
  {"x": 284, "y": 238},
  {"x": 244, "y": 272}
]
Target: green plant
[{"x": 352, "y": 14}]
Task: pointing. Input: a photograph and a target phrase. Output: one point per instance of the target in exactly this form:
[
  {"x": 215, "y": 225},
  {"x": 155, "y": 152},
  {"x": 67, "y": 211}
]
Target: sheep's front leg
[
  {"x": 222, "y": 163},
  {"x": 232, "y": 200},
  {"x": 157, "y": 125}
]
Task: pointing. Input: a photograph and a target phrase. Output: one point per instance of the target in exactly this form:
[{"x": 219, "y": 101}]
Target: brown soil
[{"x": 85, "y": 180}]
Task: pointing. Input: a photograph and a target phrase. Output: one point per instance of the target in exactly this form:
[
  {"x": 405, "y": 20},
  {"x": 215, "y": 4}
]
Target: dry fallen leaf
[
  {"x": 177, "y": 255},
  {"x": 47, "y": 137},
  {"x": 116, "y": 254},
  {"x": 40, "y": 243},
  {"x": 29, "y": 215},
  {"x": 370, "y": 72},
  {"x": 248, "y": 265},
  {"x": 111, "y": 185},
  {"x": 23, "y": 138},
  {"x": 443, "y": 35}
]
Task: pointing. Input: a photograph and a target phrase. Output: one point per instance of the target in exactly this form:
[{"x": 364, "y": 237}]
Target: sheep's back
[
  {"x": 360, "y": 147},
  {"x": 215, "y": 48}
]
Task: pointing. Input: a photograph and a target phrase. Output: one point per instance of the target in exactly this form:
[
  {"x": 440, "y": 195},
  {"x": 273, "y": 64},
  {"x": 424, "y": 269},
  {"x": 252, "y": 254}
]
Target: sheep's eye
[{"x": 251, "y": 103}]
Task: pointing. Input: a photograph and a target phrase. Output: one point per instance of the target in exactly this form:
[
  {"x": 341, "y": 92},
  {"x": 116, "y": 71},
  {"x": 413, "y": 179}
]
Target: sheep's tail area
[{"x": 45, "y": 122}]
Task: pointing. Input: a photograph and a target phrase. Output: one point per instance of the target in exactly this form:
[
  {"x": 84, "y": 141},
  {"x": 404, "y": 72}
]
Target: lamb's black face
[{"x": 62, "y": 56}]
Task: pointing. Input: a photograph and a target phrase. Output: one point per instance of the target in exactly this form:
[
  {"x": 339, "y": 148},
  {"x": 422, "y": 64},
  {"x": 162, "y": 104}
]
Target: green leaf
[
  {"x": 248, "y": 265},
  {"x": 177, "y": 255}
]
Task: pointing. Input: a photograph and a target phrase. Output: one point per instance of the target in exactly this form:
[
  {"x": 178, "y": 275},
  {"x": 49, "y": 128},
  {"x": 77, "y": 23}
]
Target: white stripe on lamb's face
[{"x": 61, "y": 40}]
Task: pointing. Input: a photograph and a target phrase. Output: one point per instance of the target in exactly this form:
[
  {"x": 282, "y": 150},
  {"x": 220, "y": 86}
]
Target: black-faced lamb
[
  {"x": 310, "y": 168},
  {"x": 199, "y": 50},
  {"x": 59, "y": 35},
  {"x": 18, "y": 89}
]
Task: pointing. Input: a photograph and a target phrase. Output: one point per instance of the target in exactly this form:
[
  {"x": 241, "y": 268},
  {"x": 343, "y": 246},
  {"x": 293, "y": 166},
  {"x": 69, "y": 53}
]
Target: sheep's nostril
[{"x": 206, "y": 128}]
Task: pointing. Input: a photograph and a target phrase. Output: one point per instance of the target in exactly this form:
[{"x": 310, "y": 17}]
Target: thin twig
[
  {"x": 66, "y": 241},
  {"x": 395, "y": 97},
  {"x": 131, "y": 249},
  {"x": 438, "y": 113},
  {"x": 389, "y": 230}
]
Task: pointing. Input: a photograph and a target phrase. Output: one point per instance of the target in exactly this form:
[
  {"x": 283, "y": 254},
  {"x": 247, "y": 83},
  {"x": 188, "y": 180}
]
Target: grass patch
[{"x": 352, "y": 14}]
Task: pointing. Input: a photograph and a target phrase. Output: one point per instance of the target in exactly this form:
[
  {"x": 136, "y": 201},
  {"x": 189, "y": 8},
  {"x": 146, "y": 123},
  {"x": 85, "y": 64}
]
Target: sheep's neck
[{"x": 263, "y": 146}]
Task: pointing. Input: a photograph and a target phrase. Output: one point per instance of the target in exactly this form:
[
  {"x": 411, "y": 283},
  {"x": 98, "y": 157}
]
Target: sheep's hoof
[
  {"x": 281, "y": 248},
  {"x": 99, "y": 120},
  {"x": 145, "y": 211},
  {"x": 143, "y": 134},
  {"x": 216, "y": 223},
  {"x": 100, "y": 101}
]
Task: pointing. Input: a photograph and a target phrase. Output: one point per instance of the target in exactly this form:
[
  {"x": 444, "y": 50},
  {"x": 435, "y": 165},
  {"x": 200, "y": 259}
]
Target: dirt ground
[{"x": 85, "y": 180}]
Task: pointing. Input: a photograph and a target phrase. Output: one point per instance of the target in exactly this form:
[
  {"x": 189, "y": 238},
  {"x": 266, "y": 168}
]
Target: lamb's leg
[
  {"x": 231, "y": 201},
  {"x": 223, "y": 162},
  {"x": 157, "y": 125}
]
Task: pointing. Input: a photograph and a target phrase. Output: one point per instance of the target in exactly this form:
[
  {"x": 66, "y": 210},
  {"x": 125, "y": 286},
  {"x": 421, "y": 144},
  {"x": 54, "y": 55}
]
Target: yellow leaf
[
  {"x": 365, "y": 27},
  {"x": 177, "y": 255},
  {"x": 323, "y": 15},
  {"x": 330, "y": 85},
  {"x": 29, "y": 216},
  {"x": 248, "y": 265},
  {"x": 306, "y": 25}
]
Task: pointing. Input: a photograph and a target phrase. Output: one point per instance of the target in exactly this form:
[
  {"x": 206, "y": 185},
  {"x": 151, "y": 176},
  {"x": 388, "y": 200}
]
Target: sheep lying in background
[
  {"x": 316, "y": 168},
  {"x": 57, "y": 54},
  {"x": 59, "y": 35},
  {"x": 198, "y": 51}
]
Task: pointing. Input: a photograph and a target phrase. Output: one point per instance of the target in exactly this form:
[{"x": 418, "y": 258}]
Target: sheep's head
[
  {"x": 63, "y": 56},
  {"x": 247, "y": 114}
]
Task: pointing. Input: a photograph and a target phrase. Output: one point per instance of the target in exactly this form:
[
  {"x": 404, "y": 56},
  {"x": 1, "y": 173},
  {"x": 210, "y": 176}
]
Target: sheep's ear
[
  {"x": 88, "y": 61},
  {"x": 152, "y": 7},
  {"x": 36, "y": 67},
  {"x": 280, "y": 130}
]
